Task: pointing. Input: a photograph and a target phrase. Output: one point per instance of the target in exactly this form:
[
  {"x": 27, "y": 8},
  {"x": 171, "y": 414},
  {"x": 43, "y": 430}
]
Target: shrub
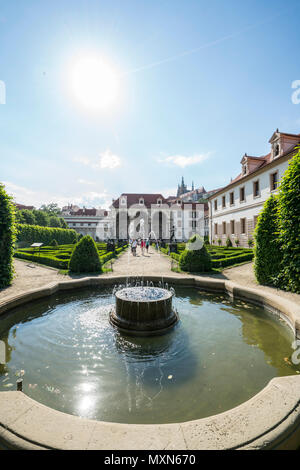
[
  {"x": 267, "y": 252},
  {"x": 85, "y": 257},
  {"x": 228, "y": 242},
  {"x": 237, "y": 242},
  {"x": 53, "y": 243},
  {"x": 250, "y": 242},
  {"x": 219, "y": 241},
  {"x": 7, "y": 238},
  {"x": 289, "y": 226},
  {"x": 34, "y": 233},
  {"x": 195, "y": 260}
]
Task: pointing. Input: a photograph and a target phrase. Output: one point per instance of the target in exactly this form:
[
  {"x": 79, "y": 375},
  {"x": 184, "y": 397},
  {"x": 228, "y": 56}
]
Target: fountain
[{"x": 143, "y": 311}]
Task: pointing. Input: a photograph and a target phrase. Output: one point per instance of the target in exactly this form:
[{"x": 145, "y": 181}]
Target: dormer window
[
  {"x": 141, "y": 201},
  {"x": 123, "y": 201},
  {"x": 244, "y": 169},
  {"x": 276, "y": 150},
  {"x": 159, "y": 202},
  {"x": 179, "y": 202}
]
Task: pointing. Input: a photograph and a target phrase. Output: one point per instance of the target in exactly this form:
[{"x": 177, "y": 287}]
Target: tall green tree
[
  {"x": 267, "y": 250},
  {"x": 51, "y": 209},
  {"x": 85, "y": 257},
  {"x": 28, "y": 216},
  {"x": 41, "y": 217},
  {"x": 289, "y": 226},
  {"x": 7, "y": 237}
]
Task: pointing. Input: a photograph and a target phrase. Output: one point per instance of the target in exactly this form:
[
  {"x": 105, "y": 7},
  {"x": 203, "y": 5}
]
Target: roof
[
  {"x": 22, "y": 207},
  {"x": 134, "y": 198},
  {"x": 263, "y": 162}
]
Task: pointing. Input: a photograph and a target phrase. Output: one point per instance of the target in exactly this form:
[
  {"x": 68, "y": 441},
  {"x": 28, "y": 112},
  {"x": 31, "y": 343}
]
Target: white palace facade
[{"x": 233, "y": 210}]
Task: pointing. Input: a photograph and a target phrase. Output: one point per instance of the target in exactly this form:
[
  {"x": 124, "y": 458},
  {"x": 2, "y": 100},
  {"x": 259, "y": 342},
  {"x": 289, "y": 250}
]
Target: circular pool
[{"x": 220, "y": 353}]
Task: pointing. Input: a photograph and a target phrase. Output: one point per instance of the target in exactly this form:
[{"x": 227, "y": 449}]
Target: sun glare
[{"x": 94, "y": 83}]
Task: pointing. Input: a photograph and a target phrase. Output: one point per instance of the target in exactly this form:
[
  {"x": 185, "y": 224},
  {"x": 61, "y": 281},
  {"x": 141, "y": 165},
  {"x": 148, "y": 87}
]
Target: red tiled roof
[{"x": 22, "y": 207}]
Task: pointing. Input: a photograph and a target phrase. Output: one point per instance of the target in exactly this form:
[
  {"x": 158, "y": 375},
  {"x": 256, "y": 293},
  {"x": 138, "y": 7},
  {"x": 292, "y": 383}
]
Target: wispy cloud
[
  {"x": 182, "y": 160},
  {"x": 204, "y": 46},
  {"x": 106, "y": 159},
  {"x": 28, "y": 197},
  {"x": 86, "y": 182}
]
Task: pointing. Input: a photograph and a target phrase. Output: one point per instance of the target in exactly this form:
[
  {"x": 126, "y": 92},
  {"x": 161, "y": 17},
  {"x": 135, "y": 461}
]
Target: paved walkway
[
  {"x": 30, "y": 277},
  {"x": 151, "y": 263}
]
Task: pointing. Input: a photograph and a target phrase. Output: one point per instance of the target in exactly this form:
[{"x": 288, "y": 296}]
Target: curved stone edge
[{"x": 269, "y": 420}]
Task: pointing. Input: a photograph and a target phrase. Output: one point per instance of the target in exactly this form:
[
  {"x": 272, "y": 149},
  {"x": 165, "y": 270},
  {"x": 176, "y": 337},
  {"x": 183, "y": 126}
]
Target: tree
[
  {"x": 63, "y": 223},
  {"x": 85, "y": 257},
  {"x": 267, "y": 251},
  {"x": 41, "y": 217},
  {"x": 27, "y": 216},
  {"x": 195, "y": 257},
  {"x": 289, "y": 226},
  {"x": 54, "y": 221},
  {"x": 51, "y": 209},
  {"x": 7, "y": 237}
]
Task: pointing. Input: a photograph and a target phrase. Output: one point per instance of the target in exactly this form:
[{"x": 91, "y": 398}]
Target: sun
[{"x": 94, "y": 83}]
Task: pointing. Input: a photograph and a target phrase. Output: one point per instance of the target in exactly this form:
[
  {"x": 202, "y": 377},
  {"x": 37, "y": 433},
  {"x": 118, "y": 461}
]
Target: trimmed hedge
[
  {"x": 7, "y": 237},
  {"x": 85, "y": 257},
  {"x": 36, "y": 234},
  {"x": 289, "y": 226},
  {"x": 267, "y": 250},
  {"x": 195, "y": 260}
]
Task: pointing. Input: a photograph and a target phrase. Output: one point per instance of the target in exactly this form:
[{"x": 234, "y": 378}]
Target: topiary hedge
[
  {"x": 195, "y": 258},
  {"x": 289, "y": 226},
  {"x": 267, "y": 251},
  {"x": 85, "y": 257},
  {"x": 7, "y": 237},
  {"x": 36, "y": 234}
]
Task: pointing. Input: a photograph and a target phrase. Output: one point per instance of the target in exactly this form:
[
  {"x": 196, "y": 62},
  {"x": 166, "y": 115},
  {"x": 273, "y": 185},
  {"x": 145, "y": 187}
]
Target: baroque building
[{"x": 233, "y": 210}]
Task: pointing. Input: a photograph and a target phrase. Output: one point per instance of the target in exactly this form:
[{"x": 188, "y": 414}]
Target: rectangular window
[
  {"x": 223, "y": 202},
  {"x": 232, "y": 226},
  {"x": 194, "y": 223},
  {"x": 243, "y": 225},
  {"x": 216, "y": 204},
  {"x": 216, "y": 229},
  {"x": 242, "y": 194},
  {"x": 274, "y": 181},
  {"x": 224, "y": 228},
  {"x": 256, "y": 188},
  {"x": 231, "y": 197}
]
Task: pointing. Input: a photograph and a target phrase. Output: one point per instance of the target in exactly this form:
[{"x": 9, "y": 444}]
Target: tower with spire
[{"x": 182, "y": 188}]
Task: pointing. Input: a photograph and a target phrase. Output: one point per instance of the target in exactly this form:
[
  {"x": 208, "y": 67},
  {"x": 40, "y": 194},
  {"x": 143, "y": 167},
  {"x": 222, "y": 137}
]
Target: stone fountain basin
[{"x": 143, "y": 311}]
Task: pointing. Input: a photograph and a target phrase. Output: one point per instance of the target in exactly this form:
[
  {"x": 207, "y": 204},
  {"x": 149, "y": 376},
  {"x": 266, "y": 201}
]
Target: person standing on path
[{"x": 147, "y": 244}]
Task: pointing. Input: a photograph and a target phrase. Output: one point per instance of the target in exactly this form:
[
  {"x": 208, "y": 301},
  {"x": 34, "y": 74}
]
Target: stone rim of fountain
[{"x": 268, "y": 420}]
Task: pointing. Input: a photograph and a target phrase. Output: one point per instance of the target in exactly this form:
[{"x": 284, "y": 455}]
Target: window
[
  {"x": 242, "y": 194},
  {"x": 123, "y": 201},
  {"x": 276, "y": 150},
  {"x": 194, "y": 223},
  {"x": 194, "y": 214},
  {"x": 159, "y": 201},
  {"x": 231, "y": 197},
  {"x": 74, "y": 225},
  {"x": 274, "y": 181},
  {"x": 89, "y": 225},
  {"x": 256, "y": 188},
  {"x": 216, "y": 204},
  {"x": 224, "y": 228},
  {"x": 216, "y": 229},
  {"x": 224, "y": 201},
  {"x": 141, "y": 201},
  {"x": 243, "y": 225},
  {"x": 232, "y": 226}
]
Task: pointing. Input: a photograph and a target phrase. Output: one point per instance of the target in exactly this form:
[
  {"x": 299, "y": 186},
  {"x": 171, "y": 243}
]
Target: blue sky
[{"x": 199, "y": 84}]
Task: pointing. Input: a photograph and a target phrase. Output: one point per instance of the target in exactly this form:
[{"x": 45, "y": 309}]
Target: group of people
[{"x": 144, "y": 244}]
